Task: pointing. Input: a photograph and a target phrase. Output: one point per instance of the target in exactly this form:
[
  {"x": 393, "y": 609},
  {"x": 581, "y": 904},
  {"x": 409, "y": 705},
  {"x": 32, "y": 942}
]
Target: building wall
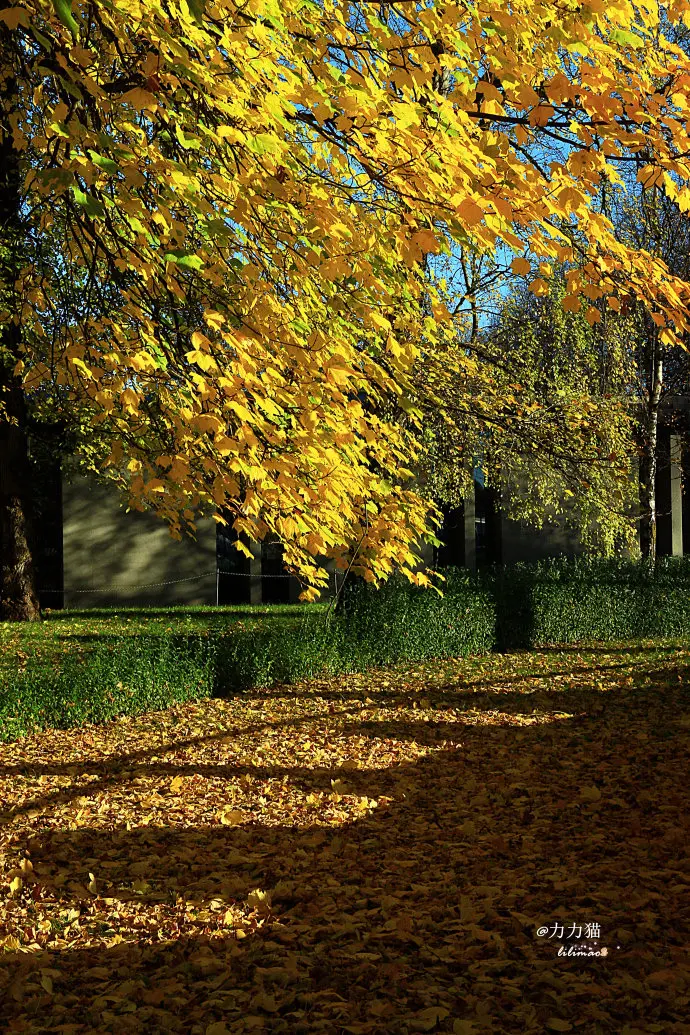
[
  {"x": 107, "y": 549},
  {"x": 523, "y": 542}
]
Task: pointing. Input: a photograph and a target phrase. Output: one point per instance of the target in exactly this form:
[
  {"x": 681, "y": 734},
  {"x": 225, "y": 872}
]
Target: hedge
[
  {"x": 553, "y": 602},
  {"x": 400, "y": 622},
  {"x": 131, "y": 676},
  {"x": 574, "y": 599}
]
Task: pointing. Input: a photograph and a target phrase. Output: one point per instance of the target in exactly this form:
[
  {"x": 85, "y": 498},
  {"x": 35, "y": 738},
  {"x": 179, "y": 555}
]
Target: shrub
[
  {"x": 569, "y": 600},
  {"x": 400, "y": 622},
  {"x": 134, "y": 675},
  {"x": 558, "y": 601},
  {"x": 258, "y": 657}
]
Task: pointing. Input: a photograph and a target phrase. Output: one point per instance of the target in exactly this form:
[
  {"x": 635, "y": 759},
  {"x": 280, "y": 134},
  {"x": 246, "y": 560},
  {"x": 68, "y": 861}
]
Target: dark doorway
[
  {"x": 47, "y": 527},
  {"x": 451, "y": 552},
  {"x": 275, "y": 587},
  {"x": 234, "y": 584},
  {"x": 487, "y": 526}
]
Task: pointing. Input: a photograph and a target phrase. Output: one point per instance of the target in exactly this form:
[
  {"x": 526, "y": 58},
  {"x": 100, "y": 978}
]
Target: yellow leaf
[
  {"x": 259, "y": 901},
  {"x": 230, "y": 817},
  {"x": 14, "y": 16},
  {"x": 199, "y": 340},
  {"x": 556, "y": 1024},
  {"x": 470, "y": 212},
  {"x": 176, "y": 784},
  {"x": 540, "y": 116},
  {"x": 202, "y": 359},
  {"x": 650, "y": 176},
  {"x": 140, "y": 99},
  {"x": 16, "y": 885},
  {"x": 242, "y": 412},
  {"x": 590, "y": 793},
  {"x": 520, "y": 265},
  {"x": 379, "y": 320},
  {"x": 47, "y": 983}
]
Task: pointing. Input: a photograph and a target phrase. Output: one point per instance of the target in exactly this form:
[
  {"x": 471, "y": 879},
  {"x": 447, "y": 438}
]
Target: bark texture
[
  {"x": 648, "y": 460},
  {"x": 18, "y": 596}
]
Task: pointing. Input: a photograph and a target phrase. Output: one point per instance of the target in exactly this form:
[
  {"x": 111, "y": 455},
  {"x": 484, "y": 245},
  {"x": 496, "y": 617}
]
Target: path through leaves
[{"x": 371, "y": 854}]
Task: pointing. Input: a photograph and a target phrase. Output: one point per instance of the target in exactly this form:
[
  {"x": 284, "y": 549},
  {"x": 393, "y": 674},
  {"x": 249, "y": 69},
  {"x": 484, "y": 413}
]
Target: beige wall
[{"x": 106, "y": 548}]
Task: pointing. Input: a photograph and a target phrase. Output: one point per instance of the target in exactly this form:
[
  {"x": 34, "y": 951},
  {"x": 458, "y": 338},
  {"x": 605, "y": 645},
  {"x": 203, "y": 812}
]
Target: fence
[{"x": 262, "y": 581}]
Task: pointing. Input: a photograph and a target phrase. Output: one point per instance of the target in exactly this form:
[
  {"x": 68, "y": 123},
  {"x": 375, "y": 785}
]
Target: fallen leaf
[{"x": 231, "y": 817}]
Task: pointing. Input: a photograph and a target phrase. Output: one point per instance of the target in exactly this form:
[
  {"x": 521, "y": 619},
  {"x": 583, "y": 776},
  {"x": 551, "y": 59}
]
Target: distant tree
[
  {"x": 542, "y": 408},
  {"x": 649, "y": 220}
]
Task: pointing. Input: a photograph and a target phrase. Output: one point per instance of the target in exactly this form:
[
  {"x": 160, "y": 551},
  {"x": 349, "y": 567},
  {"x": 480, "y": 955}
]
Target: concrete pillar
[
  {"x": 470, "y": 532},
  {"x": 676, "y": 499}
]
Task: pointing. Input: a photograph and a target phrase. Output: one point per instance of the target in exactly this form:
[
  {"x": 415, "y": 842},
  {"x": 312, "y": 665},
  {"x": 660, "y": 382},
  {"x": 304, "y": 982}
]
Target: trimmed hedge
[
  {"x": 258, "y": 657},
  {"x": 569, "y": 600},
  {"x": 135, "y": 675},
  {"x": 559, "y": 601},
  {"x": 401, "y": 622}
]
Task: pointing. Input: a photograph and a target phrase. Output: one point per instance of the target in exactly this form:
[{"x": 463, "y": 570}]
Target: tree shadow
[
  {"x": 586, "y": 648},
  {"x": 429, "y": 901},
  {"x": 473, "y": 707}
]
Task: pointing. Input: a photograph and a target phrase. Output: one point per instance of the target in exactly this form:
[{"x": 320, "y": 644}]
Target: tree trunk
[
  {"x": 648, "y": 460},
  {"x": 18, "y": 597}
]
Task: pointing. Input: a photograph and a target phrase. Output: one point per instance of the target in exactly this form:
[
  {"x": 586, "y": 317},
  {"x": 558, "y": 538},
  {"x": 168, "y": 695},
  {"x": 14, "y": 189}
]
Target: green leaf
[
  {"x": 187, "y": 143},
  {"x": 627, "y": 39},
  {"x": 92, "y": 207},
  {"x": 107, "y": 164},
  {"x": 63, "y": 9},
  {"x": 187, "y": 259},
  {"x": 262, "y": 143}
]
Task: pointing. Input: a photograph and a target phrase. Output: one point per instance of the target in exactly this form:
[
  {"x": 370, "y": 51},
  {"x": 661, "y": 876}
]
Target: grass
[
  {"x": 372, "y": 853},
  {"x": 73, "y": 633}
]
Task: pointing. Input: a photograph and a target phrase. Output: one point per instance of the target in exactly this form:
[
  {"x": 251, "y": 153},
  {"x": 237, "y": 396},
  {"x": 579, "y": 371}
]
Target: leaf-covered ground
[{"x": 375, "y": 853}]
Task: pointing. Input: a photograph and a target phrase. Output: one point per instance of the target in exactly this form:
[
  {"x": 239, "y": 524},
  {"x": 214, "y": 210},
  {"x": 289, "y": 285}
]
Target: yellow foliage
[{"x": 260, "y": 197}]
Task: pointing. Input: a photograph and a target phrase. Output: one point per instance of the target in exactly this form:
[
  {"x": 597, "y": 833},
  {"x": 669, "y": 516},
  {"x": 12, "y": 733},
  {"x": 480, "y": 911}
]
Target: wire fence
[{"x": 217, "y": 573}]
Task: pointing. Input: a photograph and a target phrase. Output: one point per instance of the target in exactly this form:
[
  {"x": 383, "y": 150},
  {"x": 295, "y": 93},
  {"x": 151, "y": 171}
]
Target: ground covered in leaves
[{"x": 425, "y": 849}]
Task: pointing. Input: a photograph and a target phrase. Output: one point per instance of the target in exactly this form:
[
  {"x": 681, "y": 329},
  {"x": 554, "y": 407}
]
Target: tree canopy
[
  {"x": 243, "y": 195},
  {"x": 546, "y": 415}
]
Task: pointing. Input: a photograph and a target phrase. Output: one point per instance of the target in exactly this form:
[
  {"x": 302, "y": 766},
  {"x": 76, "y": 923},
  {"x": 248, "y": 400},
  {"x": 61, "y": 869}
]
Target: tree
[
  {"x": 543, "y": 409},
  {"x": 244, "y": 194},
  {"x": 651, "y": 221}
]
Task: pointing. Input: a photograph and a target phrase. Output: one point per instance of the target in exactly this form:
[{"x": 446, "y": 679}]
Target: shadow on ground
[{"x": 418, "y": 915}]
